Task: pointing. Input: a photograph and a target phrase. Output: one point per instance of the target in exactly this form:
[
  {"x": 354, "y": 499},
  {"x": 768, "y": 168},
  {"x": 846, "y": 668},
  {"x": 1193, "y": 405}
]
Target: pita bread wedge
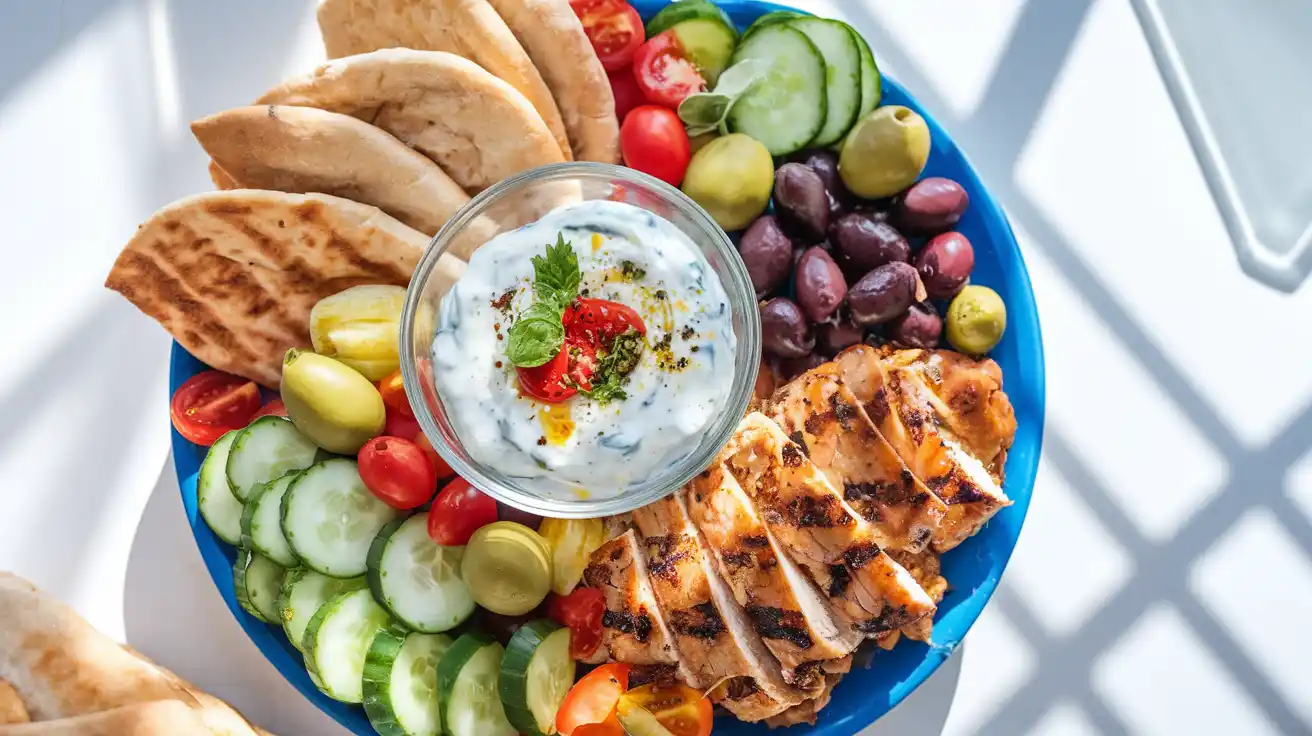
[
  {"x": 156, "y": 718},
  {"x": 468, "y": 28},
  {"x": 12, "y": 709},
  {"x": 233, "y": 275},
  {"x": 475, "y": 126},
  {"x": 221, "y": 179},
  {"x": 554, "y": 38}
]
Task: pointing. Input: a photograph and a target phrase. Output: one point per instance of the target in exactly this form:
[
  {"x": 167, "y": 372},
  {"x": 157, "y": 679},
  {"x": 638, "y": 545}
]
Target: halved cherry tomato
[
  {"x": 653, "y": 141},
  {"x": 624, "y": 87},
  {"x": 551, "y": 382},
  {"x": 614, "y": 28},
  {"x": 682, "y": 710},
  {"x": 275, "y": 408},
  {"x": 609, "y": 727},
  {"x": 581, "y": 613},
  {"x": 599, "y": 321},
  {"x": 393, "y": 390},
  {"x": 593, "y": 699},
  {"x": 399, "y": 425},
  {"x": 459, "y": 510},
  {"x": 397, "y": 471},
  {"x": 664, "y": 73},
  {"x": 444, "y": 471},
  {"x": 212, "y": 403}
]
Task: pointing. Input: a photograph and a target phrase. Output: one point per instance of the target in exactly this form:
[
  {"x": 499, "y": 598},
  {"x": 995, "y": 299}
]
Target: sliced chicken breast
[
  {"x": 806, "y": 712},
  {"x": 785, "y": 609},
  {"x": 821, "y": 415},
  {"x": 870, "y": 592}
]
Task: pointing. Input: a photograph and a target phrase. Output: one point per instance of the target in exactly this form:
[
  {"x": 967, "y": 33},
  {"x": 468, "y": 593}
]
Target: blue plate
[{"x": 972, "y": 570}]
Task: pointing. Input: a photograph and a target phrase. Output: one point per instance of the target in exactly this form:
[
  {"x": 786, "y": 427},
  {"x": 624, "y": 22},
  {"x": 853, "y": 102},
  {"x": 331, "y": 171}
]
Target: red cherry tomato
[
  {"x": 614, "y": 28},
  {"x": 459, "y": 510},
  {"x": 275, "y": 408},
  {"x": 624, "y": 87},
  {"x": 599, "y": 321},
  {"x": 593, "y": 699},
  {"x": 393, "y": 390},
  {"x": 400, "y": 425},
  {"x": 211, "y": 404},
  {"x": 397, "y": 471},
  {"x": 550, "y": 382},
  {"x": 665, "y": 74},
  {"x": 443, "y": 470},
  {"x": 654, "y": 142},
  {"x": 581, "y": 613},
  {"x": 609, "y": 727}
]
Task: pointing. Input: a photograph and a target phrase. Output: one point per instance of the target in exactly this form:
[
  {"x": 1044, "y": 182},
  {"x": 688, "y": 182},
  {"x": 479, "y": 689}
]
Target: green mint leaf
[
  {"x": 703, "y": 109},
  {"x": 556, "y": 275},
  {"x": 536, "y": 337},
  {"x": 737, "y": 79}
]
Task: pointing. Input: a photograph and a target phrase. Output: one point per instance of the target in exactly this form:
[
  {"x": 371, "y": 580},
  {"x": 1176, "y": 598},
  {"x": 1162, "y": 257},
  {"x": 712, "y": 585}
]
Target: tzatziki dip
[{"x": 585, "y": 352}]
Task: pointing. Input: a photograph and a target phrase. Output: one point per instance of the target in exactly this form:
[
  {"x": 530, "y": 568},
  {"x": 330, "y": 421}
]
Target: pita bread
[
  {"x": 475, "y": 126},
  {"x": 12, "y": 709},
  {"x": 468, "y": 28},
  {"x": 220, "y": 178},
  {"x": 156, "y": 718},
  {"x": 554, "y": 38},
  {"x": 233, "y": 275}
]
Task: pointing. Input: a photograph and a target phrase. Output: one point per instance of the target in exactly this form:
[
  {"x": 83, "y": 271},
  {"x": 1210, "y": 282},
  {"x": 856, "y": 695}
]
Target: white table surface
[{"x": 1163, "y": 582}]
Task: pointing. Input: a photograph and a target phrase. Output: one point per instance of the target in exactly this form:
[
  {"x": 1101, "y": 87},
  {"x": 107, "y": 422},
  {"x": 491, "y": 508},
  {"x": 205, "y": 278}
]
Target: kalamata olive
[
  {"x": 799, "y": 198},
  {"x": 784, "y": 329},
  {"x": 920, "y": 327},
  {"x": 767, "y": 253},
  {"x": 825, "y": 163},
  {"x": 506, "y": 512},
  {"x": 945, "y": 263},
  {"x": 882, "y": 295},
  {"x": 866, "y": 242},
  {"x": 834, "y": 337},
  {"x": 790, "y": 368},
  {"x": 819, "y": 284},
  {"x": 500, "y": 626},
  {"x": 931, "y": 205}
]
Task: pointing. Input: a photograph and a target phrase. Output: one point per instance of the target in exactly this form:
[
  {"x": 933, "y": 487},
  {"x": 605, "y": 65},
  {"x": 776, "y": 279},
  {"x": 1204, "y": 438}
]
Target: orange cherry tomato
[
  {"x": 609, "y": 727},
  {"x": 211, "y": 404},
  {"x": 593, "y": 699},
  {"x": 393, "y": 390},
  {"x": 444, "y": 471},
  {"x": 682, "y": 710}
]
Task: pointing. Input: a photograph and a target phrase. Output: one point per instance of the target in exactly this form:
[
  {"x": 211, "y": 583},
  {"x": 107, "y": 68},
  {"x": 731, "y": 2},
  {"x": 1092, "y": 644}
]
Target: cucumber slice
[
  {"x": 416, "y": 579},
  {"x": 872, "y": 84},
  {"x": 706, "y": 33},
  {"x": 536, "y": 673},
  {"x": 267, "y": 449},
  {"x": 218, "y": 507},
  {"x": 685, "y": 10},
  {"x": 842, "y": 58},
  {"x": 785, "y": 110},
  {"x": 467, "y": 688},
  {"x": 304, "y": 591},
  {"x": 257, "y": 581},
  {"x": 330, "y": 518},
  {"x": 337, "y": 641},
  {"x": 770, "y": 18},
  {"x": 261, "y": 522},
  {"x": 400, "y": 683}
]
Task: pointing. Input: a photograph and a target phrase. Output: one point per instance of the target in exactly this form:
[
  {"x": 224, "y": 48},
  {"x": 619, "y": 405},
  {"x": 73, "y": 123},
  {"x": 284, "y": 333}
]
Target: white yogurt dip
[{"x": 579, "y": 448}]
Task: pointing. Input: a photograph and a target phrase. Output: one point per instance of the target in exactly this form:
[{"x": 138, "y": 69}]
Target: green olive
[
  {"x": 976, "y": 320},
  {"x": 884, "y": 153},
  {"x": 731, "y": 177},
  {"x": 507, "y": 567},
  {"x": 333, "y": 405}
]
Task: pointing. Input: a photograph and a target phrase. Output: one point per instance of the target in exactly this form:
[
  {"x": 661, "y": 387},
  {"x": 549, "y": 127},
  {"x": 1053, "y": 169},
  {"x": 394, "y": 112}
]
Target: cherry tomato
[
  {"x": 654, "y": 142},
  {"x": 599, "y": 321},
  {"x": 609, "y": 727},
  {"x": 682, "y": 710},
  {"x": 664, "y": 73},
  {"x": 593, "y": 699},
  {"x": 581, "y": 613},
  {"x": 393, "y": 390},
  {"x": 443, "y": 470},
  {"x": 212, "y": 403},
  {"x": 275, "y": 408},
  {"x": 397, "y": 471},
  {"x": 550, "y": 382},
  {"x": 459, "y": 510},
  {"x": 613, "y": 27},
  {"x": 400, "y": 425},
  {"x": 624, "y": 87}
]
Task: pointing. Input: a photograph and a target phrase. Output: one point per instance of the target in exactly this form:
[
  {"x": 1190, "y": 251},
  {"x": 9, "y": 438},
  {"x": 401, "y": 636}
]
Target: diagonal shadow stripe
[
  {"x": 1295, "y": 521},
  {"x": 1105, "y": 509}
]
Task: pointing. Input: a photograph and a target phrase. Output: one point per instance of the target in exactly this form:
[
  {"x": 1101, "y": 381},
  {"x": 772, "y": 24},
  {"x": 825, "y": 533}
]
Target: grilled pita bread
[
  {"x": 233, "y": 275},
  {"x": 475, "y": 126},
  {"x": 12, "y": 709},
  {"x": 156, "y": 718},
  {"x": 221, "y": 179},
  {"x": 468, "y": 28},
  {"x": 554, "y": 38}
]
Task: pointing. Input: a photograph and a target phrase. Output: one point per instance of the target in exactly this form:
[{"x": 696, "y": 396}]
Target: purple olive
[
  {"x": 920, "y": 327},
  {"x": 506, "y": 512},
  {"x": 790, "y": 368},
  {"x": 865, "y": 242},
  {"x": 834, "y": 337},
  {"x": 784, "y": 329},
  {"x": 767, "y": 253},
  {"x": 931, "y": 205},
  {"x": 819, "y": 283},
  {"x": 882, "y": 295},
  {"x": 825, "y": 163},
  {"x": 800, "y": 200},
  {"x": 945, "y": 263}
]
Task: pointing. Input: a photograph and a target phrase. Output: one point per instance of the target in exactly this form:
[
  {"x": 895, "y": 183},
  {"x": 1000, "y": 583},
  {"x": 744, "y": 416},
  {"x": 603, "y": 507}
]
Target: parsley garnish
[
  {"x": 539, "y": 333},
  {"x": 614, "y": 367}
]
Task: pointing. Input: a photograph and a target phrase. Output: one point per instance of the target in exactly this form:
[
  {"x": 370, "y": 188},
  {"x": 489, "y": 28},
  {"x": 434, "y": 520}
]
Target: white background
[{"x": 1163, "y": 583}]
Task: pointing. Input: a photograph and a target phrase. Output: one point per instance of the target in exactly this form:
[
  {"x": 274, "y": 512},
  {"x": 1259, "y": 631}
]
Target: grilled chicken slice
[
  {"x": 710, "y": 630},
  {"x": 806, "y": 712},
  {"x": 870, "y": 592},
  {"x": 821, "y": 415},
  {"x": 785, "y": 609},
  {"x": 902, "y": 409}
]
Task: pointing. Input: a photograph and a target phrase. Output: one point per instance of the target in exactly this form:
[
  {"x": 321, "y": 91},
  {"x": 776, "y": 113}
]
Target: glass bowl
[{"x": 519, "y": 201}]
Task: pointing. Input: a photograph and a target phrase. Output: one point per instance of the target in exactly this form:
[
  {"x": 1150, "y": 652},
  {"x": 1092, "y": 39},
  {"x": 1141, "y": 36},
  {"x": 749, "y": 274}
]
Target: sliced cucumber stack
[
  {"x": 304, "y": 591},
  {"x": 268, "y": 449},
  {"x": 416, "y": 579},
  {"x": 257, "y": 581},
  {"x": 220, "y": 509},
  {"x": 330, "y": 518},
  {"x": 261, "y": 522},
  {"x": 788, "y": 109},
  {"x": 842, "y": 63},
  {"x": 536, "y": 673},
  {"x": 467, "y": 688},
  {"x": 872, "y": 84},
  {"x": 771, "y": 18},
  {"x": 705, "y": 32},
  {"x": 338, "y": 640},
  {"x": 400, "y": 683}
]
